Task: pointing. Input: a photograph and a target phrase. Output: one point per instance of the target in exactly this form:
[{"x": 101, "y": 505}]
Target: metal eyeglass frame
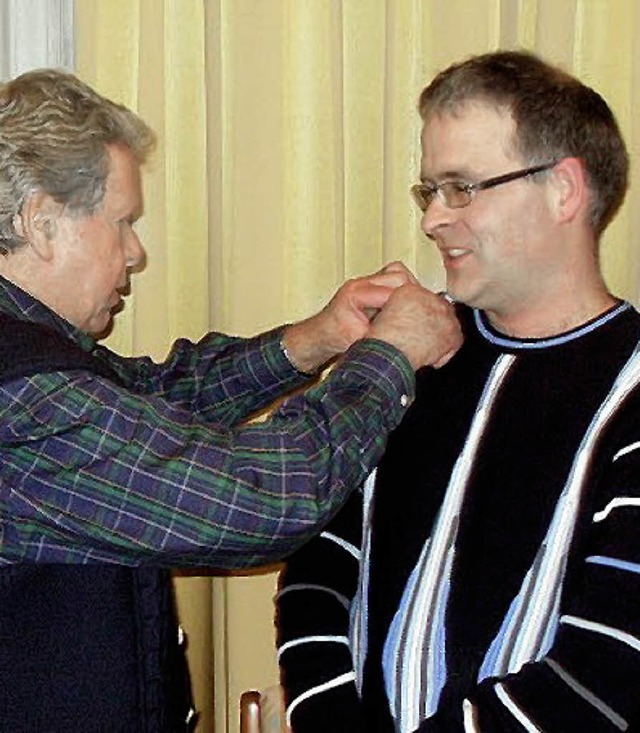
[{"x": 458, "y": 194}]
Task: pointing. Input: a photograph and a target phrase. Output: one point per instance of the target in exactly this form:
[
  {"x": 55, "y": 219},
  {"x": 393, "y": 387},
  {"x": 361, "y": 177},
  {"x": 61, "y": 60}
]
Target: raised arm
[
  {"x": 93, "y": 470},
  {"x": 224, "y": 379}
]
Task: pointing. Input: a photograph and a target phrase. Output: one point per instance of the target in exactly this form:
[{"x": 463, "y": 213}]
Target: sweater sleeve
[
  {"x": 317, "y": 588},
  {"x": 588, "y": 681}
]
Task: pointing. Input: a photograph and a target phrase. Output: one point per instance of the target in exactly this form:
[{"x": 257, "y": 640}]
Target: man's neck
[{"x": 552, "y": 316}]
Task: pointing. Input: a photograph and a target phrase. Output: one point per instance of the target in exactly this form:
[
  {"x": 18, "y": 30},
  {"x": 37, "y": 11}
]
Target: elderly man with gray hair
[{"x": 114, "y": 470}]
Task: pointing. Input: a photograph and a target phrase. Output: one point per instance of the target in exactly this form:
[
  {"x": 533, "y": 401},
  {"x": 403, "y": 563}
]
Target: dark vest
[{"x": 84, "y": 648}]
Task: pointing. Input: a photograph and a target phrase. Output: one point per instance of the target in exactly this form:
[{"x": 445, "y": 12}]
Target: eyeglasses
[{"x": 458, "y": 194}]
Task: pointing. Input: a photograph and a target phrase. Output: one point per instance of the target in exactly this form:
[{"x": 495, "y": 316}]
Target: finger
[
  {"x": 369, "y": 295},
  {"x": 399, "y": 267},
  {"x": 444, "y": 359},
  {"x": 395, "y": 266},
  {"x": 392, "y": 278}
]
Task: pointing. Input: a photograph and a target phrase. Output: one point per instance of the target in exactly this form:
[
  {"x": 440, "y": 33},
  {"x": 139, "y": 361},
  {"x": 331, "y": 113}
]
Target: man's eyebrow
[{"x": 450, "y": 175}]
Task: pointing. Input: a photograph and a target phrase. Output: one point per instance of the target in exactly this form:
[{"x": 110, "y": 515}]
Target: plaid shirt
[{"x": 164, "y": 470}]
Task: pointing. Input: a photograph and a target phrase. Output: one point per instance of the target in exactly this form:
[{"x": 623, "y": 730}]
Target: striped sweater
[{"x": 487, "y": 576}]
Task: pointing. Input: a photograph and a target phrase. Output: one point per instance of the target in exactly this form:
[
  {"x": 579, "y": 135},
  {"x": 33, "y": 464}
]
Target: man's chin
[
  {"x": 454, "y": 291},
  {"x": 462, "y": 292},
  {"x": 102, "y": 327}
]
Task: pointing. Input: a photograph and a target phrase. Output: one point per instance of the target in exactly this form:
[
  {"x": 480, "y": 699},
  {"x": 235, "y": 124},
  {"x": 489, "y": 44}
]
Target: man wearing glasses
[{"x": 487, "y": 576}]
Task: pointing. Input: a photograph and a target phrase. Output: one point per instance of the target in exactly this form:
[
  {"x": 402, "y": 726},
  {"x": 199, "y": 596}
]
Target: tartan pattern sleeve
[
  {"x": 161, "y": 472},
  {"x": 221, "y": 379}
]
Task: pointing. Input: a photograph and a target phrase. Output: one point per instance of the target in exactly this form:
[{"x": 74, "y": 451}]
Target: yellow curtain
[{"x": 288, "y": 139}]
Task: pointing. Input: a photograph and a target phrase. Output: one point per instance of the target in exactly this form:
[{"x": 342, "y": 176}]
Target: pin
[{"x": 446, "y": 296}]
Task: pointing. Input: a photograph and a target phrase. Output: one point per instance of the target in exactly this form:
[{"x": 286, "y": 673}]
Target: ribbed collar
[{"x": 509, "y": 342}]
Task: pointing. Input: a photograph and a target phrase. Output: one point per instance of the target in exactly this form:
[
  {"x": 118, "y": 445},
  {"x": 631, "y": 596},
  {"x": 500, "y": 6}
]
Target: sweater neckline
[{"x": 511, "y": 342}]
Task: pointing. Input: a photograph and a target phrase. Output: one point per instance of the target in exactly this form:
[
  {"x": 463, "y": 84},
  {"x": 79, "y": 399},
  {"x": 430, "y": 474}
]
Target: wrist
[
  {"x": 300, "y": 368},
  {"x": 306, "y": 346}
]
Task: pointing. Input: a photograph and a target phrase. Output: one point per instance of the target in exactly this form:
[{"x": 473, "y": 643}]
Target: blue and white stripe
[
  {"x": 358, "y": 628},
  {"x": 414, "y": 657},
  {"x": 529, "y": 628}
]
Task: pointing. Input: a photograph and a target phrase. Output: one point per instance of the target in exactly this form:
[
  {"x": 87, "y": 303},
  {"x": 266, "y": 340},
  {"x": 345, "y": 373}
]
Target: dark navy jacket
[{"x": 84, "y": 648}]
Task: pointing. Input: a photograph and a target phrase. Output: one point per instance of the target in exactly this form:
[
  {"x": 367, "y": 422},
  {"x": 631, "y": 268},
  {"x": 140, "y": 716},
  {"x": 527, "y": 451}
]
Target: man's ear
[
  {"x": 37, "y": 222},
  {"x": 570, "y": 191}
]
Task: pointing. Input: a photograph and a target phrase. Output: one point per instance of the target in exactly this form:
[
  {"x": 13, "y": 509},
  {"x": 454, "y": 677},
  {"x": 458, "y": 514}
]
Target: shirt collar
[{"x": 16, "y": 302}]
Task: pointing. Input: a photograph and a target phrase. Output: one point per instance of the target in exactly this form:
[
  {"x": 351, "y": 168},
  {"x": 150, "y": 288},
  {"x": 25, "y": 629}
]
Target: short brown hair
[
  {"x": 556, "y": 116},
  {"x": 54, "y": 133}
]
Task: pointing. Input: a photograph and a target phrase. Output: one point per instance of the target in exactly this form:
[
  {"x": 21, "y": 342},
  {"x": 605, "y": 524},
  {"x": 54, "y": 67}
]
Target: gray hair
[{"x": 54, "y": 133}]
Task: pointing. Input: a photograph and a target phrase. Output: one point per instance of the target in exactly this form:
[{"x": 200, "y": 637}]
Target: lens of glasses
[
  {"x": 423, "y": 195},
  {"x": 456, "y": 194}
]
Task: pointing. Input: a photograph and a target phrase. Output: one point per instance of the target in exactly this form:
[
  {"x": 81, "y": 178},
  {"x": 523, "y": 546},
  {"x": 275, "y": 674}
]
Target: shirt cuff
[{"x": 386, "y": 368}]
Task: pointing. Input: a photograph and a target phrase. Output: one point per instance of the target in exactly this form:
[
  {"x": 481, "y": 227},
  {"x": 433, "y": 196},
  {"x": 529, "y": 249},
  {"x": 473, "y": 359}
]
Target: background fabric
[{"x": 35, "y": 33}]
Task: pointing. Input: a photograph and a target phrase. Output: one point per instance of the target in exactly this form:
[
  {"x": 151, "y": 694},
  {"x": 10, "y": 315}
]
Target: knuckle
[{"x": 350, "y": 286}]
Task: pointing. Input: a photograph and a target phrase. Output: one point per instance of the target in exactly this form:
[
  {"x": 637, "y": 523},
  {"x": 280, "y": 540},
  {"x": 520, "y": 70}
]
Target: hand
[
  {"x": 419, "y": 323},
  {"x": 345, "y": 319}
]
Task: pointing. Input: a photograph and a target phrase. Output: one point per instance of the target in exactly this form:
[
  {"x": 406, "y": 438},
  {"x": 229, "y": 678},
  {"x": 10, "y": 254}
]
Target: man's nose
[
  {"x": 134, "y": 250},
  {"x": 436, "y": 215}
]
